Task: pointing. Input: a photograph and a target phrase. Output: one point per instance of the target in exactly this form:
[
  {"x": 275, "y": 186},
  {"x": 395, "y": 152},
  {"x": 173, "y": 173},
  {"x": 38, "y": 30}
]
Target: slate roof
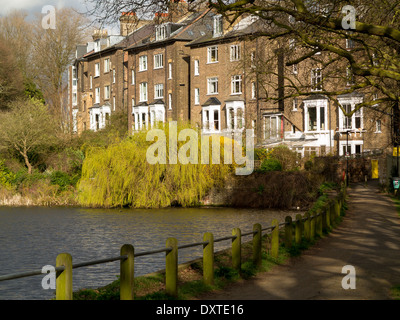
[
  {"x": 212, "y": 102},
  {"x": 186, "y": 29}
]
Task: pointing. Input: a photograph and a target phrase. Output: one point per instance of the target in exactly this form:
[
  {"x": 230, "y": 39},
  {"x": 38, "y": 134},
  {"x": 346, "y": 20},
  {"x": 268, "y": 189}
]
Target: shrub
[
  {"x": 271, "y": 164},
  {"x": 286, "y": 157},
  {"x": 62, "y": 179},
  {"x": 6, "y": 177}
]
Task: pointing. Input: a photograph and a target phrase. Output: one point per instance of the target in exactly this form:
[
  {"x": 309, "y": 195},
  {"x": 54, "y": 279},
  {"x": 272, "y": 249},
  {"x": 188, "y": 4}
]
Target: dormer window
[
  {"x": 161, "y": 32},
  {"x": 217, "y": 29},
  {"x": 97, "y": 45}
]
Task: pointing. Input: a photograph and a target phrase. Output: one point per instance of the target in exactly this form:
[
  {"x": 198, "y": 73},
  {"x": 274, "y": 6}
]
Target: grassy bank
[{"x": 190, "y": 275}]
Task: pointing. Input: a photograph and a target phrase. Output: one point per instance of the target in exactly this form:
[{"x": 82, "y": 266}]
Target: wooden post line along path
[{"x": 307, "y": 226}]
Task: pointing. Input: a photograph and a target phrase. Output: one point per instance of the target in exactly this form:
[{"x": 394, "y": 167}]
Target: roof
[
  {"x": 131, "y": 39},
  {"x": 316, "y": 97},
  {"x": 212, "y": 102},
  {"x": 353, "y": 94},
  {"x": 247, "y": 26},
  {"x": 187, "y": 29},
  {"x": 158, "y": 101}
]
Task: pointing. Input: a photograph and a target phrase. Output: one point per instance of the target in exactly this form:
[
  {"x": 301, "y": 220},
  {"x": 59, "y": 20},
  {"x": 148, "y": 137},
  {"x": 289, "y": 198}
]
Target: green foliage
[
  {"x": 6, "y": 177},
  {"x": 261, "y": 154},
  {"x": 280, "y": 158},
  {"x": 286, "y": 157},
  {"x": 308, "y": 165},
  {"x": 270, "y": 164},
  {"x": 62, "y": 179},
  {"x": 120, "y": 175},
  {"x": 32, "y": 92}
]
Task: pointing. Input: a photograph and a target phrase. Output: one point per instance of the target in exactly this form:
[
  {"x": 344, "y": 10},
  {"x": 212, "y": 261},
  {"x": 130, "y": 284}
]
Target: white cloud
[{"x": 35, "y": 6}]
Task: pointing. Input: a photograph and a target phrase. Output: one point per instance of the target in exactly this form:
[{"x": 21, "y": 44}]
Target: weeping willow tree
[{"x": 120, "y": 175}]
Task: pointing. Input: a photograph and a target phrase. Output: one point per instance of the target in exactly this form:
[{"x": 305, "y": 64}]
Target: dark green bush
[
  {"x": 271, "y": 165},
  {"x": 62, "y": 179}
]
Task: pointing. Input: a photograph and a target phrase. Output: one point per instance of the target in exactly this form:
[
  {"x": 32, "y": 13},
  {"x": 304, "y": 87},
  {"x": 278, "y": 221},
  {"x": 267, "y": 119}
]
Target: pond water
[{"x": 31, "y": 238}]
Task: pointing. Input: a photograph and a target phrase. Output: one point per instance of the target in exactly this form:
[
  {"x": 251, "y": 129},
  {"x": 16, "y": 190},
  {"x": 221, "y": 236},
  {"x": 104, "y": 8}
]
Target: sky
[{"x": 34, "y": 7}]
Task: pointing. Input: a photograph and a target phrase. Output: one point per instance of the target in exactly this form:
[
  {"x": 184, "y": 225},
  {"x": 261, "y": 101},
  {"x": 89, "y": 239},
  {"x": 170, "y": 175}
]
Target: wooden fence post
[
  {"x": 288, "y": 232},
  {"x": 307, "y": 226},
  {"x": 319, "y": 224},
  {"x": 323, "y": 214},
  {"x": 328, "y": 216},
  {"x": 127, "y": 267},
  {"x": 257, "y": 238},
  {"x": 208, "y": 259},
  {"x": 171, "y": 268},
  {"x": 299, "y": 227},
  {"x": 333, "y": 213},
  {"x": 64, "y": 278},
  {"x": 312, "y": 226},
  {"x": 337, "y": 207},
  {"x": 275, "y": 239},
  {"x": 237, "y": 249}
]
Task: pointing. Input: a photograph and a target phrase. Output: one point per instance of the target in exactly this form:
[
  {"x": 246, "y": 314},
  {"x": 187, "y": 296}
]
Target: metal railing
[{"x": 307, "y": 226}]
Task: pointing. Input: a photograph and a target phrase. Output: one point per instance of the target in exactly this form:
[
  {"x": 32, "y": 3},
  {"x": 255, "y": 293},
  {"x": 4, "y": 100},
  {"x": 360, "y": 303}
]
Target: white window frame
[
  {"x": 212, "y": 83},
  {"x": 143, "y": 91},
  {"x": 235, "y": 115},
  {"x": 106, "y": 65},
  {"x": 267, "y": 118},
  {"x": 169, "y": 70},
  {"x": 143, "y": 63},
  {"x": 114, "y": 102},
  {"x": 196, "y": 96},
  {"x": 132, "y": 76},
  {"x": 159, "y": 91},
  {"x": 212, "y": 51},
  {"x": 378, "y": 126},
  {"x": 352, "y": 102},
  {"x": 196, "y": 67},
  {"x": 253, "y": 90},
  {"x": 107, "y": 92},
  {"x": 318, "y": 105},
  {"x": 207, "y": 128},
  {"x": 235, "y": 52},
  {"x": 97, "y": 95},
  {"x": 236, "y": 84},
  {"x": 91, "y": 82},
  {"x": 316, "y": 79},
  {"x": 97, "y": 70},
  {"x": 114, "y": 75},
  {"x": 170, "y": 101},
  {"x": 295, "y": 104},
  {"x": 158, "y": 61},
  {"x": 217, "y": 26},
  {"x": 161, "y": 32},
  {"x": 351, "y": 145}
]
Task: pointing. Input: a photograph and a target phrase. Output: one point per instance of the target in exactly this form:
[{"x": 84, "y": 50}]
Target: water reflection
[{"x": 32, "y": 237}]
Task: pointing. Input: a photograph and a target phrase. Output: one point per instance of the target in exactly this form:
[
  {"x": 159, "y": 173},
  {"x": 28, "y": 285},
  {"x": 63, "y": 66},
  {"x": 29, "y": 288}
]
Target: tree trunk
[{"x": 27, "y": 163}]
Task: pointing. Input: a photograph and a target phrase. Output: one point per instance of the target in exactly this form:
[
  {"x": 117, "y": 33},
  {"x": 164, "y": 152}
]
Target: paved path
[{"x": 368, "y": 239}]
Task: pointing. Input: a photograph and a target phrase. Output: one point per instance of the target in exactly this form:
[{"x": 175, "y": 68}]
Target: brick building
[{"x": 194, "y": 66}]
